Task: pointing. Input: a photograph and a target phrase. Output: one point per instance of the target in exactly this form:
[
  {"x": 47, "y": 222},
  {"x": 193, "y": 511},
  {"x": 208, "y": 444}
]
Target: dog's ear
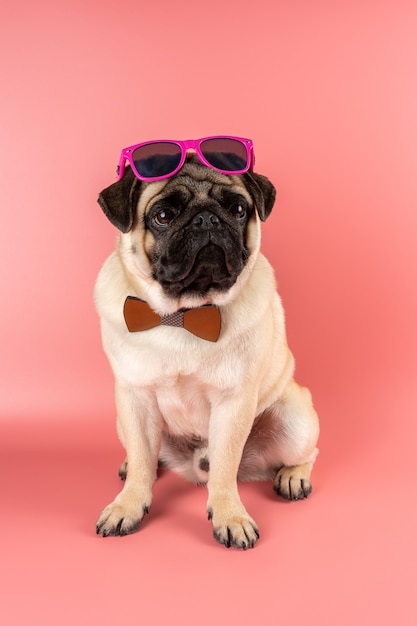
[
  {"x": 119, "y": 201},
  {"x": 262, "y": 191}
]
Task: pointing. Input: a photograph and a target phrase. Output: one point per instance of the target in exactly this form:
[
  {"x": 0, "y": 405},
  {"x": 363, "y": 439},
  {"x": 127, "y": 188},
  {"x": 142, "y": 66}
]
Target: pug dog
[{"x": 194, "y": 331}]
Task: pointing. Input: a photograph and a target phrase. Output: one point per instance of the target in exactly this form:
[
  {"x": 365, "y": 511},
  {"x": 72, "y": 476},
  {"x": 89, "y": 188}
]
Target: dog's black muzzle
[{"x": 207, "y": 254}]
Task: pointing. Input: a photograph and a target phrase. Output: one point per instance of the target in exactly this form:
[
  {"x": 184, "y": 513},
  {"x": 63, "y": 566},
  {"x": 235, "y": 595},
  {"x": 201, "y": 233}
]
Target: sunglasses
[{"x": 156, "y": 160}]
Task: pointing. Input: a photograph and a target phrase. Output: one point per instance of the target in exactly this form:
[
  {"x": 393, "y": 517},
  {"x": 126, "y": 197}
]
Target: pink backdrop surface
[{"x": 328, "y": 93}]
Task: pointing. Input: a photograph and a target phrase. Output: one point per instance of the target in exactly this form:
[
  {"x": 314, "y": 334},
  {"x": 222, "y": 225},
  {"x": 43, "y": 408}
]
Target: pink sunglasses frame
[{"x": 188, "y": 144}]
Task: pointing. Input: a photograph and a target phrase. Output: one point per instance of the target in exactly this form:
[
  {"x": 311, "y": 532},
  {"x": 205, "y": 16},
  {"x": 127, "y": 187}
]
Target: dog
[{"x": 220, "y": 408}]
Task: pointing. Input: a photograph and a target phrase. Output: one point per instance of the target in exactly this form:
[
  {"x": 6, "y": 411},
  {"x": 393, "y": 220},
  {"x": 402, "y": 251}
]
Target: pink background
[{"x": 328, "y": 93}]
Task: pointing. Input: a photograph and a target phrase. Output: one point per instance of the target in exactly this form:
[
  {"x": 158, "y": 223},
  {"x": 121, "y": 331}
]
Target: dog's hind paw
[{"x": 293, "y": 483}]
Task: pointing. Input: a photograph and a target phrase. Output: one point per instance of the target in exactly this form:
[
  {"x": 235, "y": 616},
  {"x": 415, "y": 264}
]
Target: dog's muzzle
[{"x": 206, "y": 255}]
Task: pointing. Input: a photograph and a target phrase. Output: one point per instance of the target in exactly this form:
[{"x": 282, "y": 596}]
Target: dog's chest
[{"x": 184, "y": 406}]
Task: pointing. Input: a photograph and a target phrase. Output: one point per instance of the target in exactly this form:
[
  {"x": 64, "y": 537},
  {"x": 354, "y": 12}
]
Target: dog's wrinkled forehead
[
  {"x": 196, "y": 182},
  {"x": 121, "y": 200}
]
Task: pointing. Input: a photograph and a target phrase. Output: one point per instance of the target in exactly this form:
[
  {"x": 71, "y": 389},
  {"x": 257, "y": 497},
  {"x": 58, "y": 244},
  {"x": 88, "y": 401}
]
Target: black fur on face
[{"x": 199, "y": 229}]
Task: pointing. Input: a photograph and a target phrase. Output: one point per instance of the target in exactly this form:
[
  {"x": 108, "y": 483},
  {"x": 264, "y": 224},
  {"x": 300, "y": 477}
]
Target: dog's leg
[
  {"x": 142, "y": 426},
  {"x": 229, "y": 428},
  {"x": 297, "y": 430}
]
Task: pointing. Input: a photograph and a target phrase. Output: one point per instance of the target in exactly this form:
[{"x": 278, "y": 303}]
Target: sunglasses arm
[
  {"x": 252, "y": 158},
  {"x": 121, "y": 167}
]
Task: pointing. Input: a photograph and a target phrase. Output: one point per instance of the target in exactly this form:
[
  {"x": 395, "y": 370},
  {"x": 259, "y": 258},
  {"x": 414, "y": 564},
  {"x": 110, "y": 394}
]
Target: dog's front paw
[
  {"x": 233, "y": 527},
  {"x": 123, "y": 516},
  {"x": 293, "y": 483}
]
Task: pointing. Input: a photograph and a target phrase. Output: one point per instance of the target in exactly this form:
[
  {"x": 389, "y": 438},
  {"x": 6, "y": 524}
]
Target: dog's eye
[
  {"x": 164, "y": 217},
  {"x": 238, "y": 209}
]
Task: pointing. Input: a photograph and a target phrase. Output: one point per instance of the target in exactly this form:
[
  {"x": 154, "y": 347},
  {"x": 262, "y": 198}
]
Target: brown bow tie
[{"x": 204, "y": 322}]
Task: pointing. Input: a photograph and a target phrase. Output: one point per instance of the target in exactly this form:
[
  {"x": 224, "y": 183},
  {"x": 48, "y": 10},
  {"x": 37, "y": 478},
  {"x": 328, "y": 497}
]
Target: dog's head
[{"x": 193, "y": 234}]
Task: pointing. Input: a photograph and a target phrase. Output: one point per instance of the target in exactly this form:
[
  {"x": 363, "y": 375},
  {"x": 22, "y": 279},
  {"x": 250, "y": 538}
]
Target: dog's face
[{"x": 192, "y": 234}]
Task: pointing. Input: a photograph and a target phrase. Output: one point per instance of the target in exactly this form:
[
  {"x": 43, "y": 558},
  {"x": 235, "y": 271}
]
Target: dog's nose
[{"x": 206, "y": 220}]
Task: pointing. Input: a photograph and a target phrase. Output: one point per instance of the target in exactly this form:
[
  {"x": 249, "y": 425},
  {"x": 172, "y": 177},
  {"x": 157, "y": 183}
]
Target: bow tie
[{"x": 204, "y": 322}]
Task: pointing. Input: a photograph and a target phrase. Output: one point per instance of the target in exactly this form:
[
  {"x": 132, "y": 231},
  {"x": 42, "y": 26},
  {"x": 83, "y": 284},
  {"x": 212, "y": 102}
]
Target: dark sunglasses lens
[
  {"x": 156, "y": 159},
  {"x": 225, "y": 154}
]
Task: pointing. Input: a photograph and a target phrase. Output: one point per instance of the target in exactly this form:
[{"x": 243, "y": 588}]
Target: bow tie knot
[{"x": 203, "y": 322}]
